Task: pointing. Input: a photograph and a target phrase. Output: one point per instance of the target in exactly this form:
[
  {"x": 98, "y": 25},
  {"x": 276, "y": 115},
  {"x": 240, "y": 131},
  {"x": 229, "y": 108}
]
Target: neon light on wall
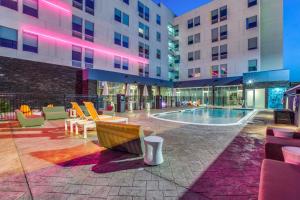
[
  {"x": 57, "y": 6},
  {"x": 74, "y": 41}
]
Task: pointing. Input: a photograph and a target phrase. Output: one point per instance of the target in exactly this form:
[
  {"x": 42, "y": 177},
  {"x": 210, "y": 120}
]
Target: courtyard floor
[{"x": 201, "y": 162}]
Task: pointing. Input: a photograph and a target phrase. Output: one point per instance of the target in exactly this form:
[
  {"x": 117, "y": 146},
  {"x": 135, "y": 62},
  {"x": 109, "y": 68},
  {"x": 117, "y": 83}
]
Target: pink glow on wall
[
  {"x": 57, "y": 5},
  {"x": 75, "y": 41}
]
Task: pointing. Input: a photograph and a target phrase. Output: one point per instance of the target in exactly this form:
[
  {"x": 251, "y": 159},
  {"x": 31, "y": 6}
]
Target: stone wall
[{"x": 23, "y": 76}]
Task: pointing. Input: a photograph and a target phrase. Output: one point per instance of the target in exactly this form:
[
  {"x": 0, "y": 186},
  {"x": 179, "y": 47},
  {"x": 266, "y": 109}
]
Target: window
[
  {"x": 223, "y": 69},
  {"x": 8, "y": 37},
  {"x": 30, "y": 7},
  {"x": 121, "y": 40},
  {"x": 177, "y": 59},
  {"x": 190, "y": 40},
  {"x": 90, "y": 6},
  {"x": 214, "y": 16},
  {"x": 158, "y": 19},
  {"x": 144, "y": 11},
  {"x": 76, "y": 26},
  {"x": 118, "y": 15},
  {"x": 190, "y": 73},
  {"x": 30, "y": 42},
  {"x": 147, "y": 70},
  {"x": 190, "y": 56},
  {"x": 215, "y": 53},
  {"x": 176, "y": 30},
  {"x": 143, "y": 31},
  {"x": 126, "y": 1},
  {"x": 89, "y": 31},
  {"x": 223, "y": 13},
  {"x": 251, "y": 22},
  {"x": 121, "y": 17},
  {"x": 158, "y": 71},
  {"x": 214, "y": 35},
  {"x": 215, "y": 71},
  {"x": 158, "y": 54},
  {"x": 252, "y": 43},
  {"x": 252, "y": 65},
  {"x": 190, "y": 23},
  {"x": 77, "y": 4},
  {"x": 117, "y": 62},
  {"x": 252, "y": 3},
  {"x": 158, "y": 36},
  {"x": 76, "y": 56},
  {"x": 141, "y": 69},
  {"x": 223, "y": 51},
  {"x": 125, "y": 64},
  {"x": 143, "y": 50},
  {"x": 197, "y": 38},
  {"x": 89, "y": 58},
  {"x": 197, "y": 21},
  {"x": 125, "y": 41},
  {"x": 197, "y": 55},
  {"x": 12, "y": 4},
  {"x": 118, "y": 39},
  {"x": 197, "y": 73},
  {"x": 125, "y": 19},
  {"x": 223, "y": 32}
]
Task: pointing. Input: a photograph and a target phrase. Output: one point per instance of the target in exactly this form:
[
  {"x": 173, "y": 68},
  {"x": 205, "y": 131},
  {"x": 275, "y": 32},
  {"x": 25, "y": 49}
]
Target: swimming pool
[{"x": 207, "y": 116}]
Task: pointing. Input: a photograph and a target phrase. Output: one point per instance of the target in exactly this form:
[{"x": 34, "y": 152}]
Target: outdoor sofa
[
  {"x": 122, "y": 137},
  {"x": 270, "y": 132},
  {"x": 57, "y": 112},
  {"x": 30, "y": 121},
  {"x": 279, "y": 181}
]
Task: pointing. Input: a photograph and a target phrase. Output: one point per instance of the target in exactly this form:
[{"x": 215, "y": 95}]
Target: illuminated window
[
  {"x": 215, "y": 71},
  {"x": 223, "y": 69}
]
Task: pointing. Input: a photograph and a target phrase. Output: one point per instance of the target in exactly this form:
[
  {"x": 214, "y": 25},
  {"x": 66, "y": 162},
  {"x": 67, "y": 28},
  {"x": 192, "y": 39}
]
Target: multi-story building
[
  {"x": 223, "y": 40},
  {"x": 72, "y": 46},
  {"x": 110, "y": 38}
]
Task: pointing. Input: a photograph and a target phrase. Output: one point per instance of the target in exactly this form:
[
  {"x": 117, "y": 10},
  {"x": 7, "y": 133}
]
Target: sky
[{"x": 291, "y": 26}]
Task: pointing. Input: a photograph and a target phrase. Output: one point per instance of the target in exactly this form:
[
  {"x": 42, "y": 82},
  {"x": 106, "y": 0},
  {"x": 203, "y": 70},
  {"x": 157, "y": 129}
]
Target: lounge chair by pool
[{"x": 31, "y": 121}]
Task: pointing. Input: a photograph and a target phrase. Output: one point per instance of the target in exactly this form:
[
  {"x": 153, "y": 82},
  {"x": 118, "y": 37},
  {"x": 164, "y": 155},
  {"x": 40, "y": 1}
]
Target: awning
[
  {"x": 292, "y": 91},
  {"x": 211, "y": 82}
]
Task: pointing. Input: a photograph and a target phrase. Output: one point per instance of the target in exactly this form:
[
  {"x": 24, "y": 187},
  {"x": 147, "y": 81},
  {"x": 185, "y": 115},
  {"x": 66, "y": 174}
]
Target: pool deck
[{"x": 201, "y": 162}]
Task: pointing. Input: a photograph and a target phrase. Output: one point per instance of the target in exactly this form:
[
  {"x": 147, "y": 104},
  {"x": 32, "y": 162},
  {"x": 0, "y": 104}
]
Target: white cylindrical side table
[{"x": 153, "y": 150}]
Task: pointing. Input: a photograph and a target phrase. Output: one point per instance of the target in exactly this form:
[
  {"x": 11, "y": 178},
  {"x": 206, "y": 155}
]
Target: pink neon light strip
[
  {"x": 84, "y": 45},
  {"x": 57, "y": 6}
]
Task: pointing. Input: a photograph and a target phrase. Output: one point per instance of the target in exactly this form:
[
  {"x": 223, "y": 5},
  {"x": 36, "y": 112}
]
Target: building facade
[{"x": 79, "y": 44}]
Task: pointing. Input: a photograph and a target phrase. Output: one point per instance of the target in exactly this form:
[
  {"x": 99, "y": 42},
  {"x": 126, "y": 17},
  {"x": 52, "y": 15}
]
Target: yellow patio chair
[
  {"x": 79, "y": 111},
  {"x": 93, "y": 112},
  {"x": 25, "y": 109}
]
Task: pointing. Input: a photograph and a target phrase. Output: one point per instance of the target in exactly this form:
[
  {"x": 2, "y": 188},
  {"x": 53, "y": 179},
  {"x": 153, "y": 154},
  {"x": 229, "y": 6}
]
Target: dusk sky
[{"x": 291, "y": 26}]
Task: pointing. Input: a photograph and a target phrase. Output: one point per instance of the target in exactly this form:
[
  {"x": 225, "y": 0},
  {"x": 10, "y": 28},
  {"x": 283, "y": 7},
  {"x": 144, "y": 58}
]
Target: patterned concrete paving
[{"x": 201, "y": 162}]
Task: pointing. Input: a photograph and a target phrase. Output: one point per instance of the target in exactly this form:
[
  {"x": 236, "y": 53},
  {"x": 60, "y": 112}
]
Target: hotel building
[{"x": 217, "y": 53}]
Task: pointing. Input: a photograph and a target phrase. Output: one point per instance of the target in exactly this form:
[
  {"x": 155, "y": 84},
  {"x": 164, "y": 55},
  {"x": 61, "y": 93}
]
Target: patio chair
[
  {"x": 25, "y": 109},
  {"x": 31, "y": 121},
  {"x": 122, "y": 137},
  {"x": 81, "y": 111},
  {"x": 94, "y": 114},
  {"x": 53, "y": 113}
]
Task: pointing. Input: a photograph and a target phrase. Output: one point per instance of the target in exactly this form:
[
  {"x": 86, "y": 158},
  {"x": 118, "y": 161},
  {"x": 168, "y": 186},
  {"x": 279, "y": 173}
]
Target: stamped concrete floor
[{"x": 201, "y": 162}]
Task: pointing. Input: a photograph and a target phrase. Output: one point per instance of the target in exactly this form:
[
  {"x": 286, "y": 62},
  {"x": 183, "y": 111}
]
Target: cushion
[
  {"x": 291, "y": 155},
  {"x": 283, "y": 133},
  {"x": 279, "y": 181},
  {"x": 273, "y": 147}
]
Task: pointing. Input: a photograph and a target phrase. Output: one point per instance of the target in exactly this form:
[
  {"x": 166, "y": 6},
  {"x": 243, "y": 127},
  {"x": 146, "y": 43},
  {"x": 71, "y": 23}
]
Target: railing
[{"x": 10, "y": 102}]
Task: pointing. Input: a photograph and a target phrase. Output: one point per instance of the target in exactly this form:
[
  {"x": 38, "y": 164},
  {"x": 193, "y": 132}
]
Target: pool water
[{"x": 209, "y": 116}]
